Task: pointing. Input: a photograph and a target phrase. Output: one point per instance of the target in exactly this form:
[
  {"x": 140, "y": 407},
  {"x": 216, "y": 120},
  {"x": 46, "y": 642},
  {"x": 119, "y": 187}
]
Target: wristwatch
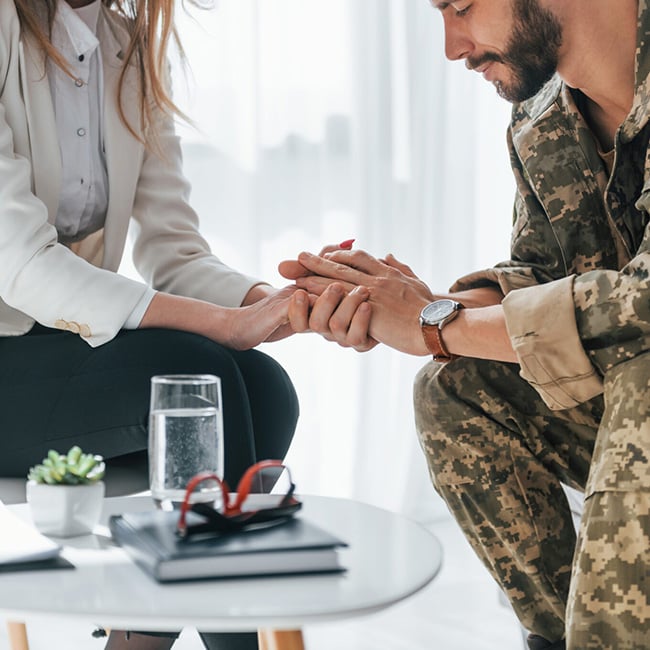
[{"x": 432, "y": 319}]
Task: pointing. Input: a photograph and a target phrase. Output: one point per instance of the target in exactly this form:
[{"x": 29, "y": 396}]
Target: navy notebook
[{"x": 297, "y": 546}]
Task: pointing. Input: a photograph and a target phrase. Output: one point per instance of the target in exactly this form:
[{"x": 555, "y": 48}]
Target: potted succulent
[{"x": 65, "y": 492}]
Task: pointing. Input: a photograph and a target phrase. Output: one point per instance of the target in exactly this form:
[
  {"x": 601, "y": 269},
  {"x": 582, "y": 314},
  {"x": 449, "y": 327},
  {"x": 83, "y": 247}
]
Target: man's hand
[{"x": 395, "y": 298}]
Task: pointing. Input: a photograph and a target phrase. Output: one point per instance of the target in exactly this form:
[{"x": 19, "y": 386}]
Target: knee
[
  {"x": 440, "y": 407},
  {"x": 442, "y": 391},
  {"x": 454, "y": 406},
  {"x": 269, "y": 382},
  {"x": 426, "y": 391},
  {"x": 435, "y": 408},
  {"x": 622, "y": 447}
]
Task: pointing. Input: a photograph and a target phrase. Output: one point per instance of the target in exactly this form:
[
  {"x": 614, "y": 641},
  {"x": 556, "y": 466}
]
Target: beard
[{"x": 531, "y": 53}]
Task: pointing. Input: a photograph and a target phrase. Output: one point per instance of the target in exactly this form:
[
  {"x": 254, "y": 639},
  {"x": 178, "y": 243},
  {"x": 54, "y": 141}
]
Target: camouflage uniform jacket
[{"x": 578, "y": 282}]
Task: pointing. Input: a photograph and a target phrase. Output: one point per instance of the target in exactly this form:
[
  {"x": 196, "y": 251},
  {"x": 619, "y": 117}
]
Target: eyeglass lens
[{"x": 268, "y": 487}]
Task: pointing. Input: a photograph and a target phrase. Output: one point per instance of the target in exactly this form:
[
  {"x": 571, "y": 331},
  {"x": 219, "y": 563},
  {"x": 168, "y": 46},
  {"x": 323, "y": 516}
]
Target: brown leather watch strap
[{"x": 433, "y": 340}]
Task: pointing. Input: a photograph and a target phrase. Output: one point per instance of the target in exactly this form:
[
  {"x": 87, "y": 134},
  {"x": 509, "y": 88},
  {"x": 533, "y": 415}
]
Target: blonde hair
[{"x": 151, "y": 28}]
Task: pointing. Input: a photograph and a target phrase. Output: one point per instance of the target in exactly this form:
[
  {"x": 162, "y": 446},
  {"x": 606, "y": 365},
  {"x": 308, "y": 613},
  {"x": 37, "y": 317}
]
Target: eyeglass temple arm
[{"x": 191, "y": 486}]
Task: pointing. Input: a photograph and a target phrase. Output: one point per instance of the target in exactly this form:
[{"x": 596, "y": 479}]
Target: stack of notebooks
[{"x": 297, "y": 546}]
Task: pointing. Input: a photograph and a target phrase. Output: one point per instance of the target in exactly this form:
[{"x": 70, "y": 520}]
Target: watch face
[{"x": 439, "y": 310}]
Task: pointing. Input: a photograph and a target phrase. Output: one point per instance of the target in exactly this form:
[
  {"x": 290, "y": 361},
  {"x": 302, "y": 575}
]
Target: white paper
[{"x": 21, "y": 542}]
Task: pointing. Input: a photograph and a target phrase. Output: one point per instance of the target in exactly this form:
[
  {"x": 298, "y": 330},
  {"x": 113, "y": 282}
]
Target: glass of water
[{"x": 185, "y": 437}]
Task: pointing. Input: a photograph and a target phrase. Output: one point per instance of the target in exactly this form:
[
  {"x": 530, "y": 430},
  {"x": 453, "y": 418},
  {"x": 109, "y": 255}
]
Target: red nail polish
[{"x": 347, "y": 244}]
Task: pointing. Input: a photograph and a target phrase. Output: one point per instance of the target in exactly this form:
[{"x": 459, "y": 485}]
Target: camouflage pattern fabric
[
  {"x": 497, "y": 455},
  {"x": 572, "y": 218},
  {"x": 496, "y": 452},
  {"x": 609, "y": 601}
]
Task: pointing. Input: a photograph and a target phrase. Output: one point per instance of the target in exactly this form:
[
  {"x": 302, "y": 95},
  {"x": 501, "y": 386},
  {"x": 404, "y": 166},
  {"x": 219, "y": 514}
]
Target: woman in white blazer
[{"x": 87, "y": 147}]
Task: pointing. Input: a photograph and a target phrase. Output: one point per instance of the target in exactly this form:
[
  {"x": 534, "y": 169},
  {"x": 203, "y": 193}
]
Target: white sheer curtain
[{"x": 322, "y": 121}]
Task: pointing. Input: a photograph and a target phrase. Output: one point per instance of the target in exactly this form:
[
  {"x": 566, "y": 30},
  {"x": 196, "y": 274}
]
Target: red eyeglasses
[{"x": 264, "y": 497}]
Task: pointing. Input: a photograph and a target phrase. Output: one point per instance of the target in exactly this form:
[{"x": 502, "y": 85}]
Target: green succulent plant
[{"x": 73, "y": 468}]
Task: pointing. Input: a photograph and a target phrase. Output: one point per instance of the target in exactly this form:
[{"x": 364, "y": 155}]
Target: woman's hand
[
  {"x": 263, "y": 321},
  {"x": 293, "y": 269},
  {"x": 240, "y": 328}
]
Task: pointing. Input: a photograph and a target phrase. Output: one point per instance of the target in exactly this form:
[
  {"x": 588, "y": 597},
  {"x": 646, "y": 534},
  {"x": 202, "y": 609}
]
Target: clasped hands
[{"x": 357, "y": 300}]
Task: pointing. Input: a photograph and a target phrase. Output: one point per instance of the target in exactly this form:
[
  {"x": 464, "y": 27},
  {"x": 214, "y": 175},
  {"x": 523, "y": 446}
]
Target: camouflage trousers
[{"x": 497, "y": 455}]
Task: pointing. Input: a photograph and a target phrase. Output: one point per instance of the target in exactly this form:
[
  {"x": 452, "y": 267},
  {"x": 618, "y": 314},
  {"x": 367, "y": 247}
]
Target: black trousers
[{"x": 56, "y": 391}]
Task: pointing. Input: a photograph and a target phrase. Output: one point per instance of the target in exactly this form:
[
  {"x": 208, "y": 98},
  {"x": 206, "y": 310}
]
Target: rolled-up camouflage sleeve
[
  {"x": 568, "y": 333},
  {"x": 542, "y": 326}
]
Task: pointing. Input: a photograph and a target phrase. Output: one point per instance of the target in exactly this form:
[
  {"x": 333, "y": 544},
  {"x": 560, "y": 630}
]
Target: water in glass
[{"x": 185, "y": 438}]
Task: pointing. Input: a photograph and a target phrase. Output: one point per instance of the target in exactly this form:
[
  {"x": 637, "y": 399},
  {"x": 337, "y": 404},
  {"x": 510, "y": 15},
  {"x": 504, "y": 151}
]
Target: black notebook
[{"x": 297, "y": 546}]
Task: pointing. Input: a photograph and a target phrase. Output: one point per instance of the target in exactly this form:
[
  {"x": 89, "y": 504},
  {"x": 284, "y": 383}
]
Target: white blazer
[{"x": 42, "y": 280}]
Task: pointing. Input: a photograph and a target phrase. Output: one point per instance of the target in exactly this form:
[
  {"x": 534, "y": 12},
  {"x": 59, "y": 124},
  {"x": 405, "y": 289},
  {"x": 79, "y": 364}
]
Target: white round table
[{"x": 389, "y": 558}]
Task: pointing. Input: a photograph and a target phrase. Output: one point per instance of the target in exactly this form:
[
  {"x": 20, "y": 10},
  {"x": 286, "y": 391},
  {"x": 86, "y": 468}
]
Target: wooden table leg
[
  {"x": 17, "y": 636},
  {"x": 281, "y": 640}
]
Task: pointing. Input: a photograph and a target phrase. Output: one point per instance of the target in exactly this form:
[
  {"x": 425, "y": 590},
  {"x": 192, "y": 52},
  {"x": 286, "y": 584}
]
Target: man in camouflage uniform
[{"x": 552, "y": 381}]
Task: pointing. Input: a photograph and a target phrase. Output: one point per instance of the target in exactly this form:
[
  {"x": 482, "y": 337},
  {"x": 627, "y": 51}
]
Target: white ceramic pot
[{"x": 65, "y": 510}]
